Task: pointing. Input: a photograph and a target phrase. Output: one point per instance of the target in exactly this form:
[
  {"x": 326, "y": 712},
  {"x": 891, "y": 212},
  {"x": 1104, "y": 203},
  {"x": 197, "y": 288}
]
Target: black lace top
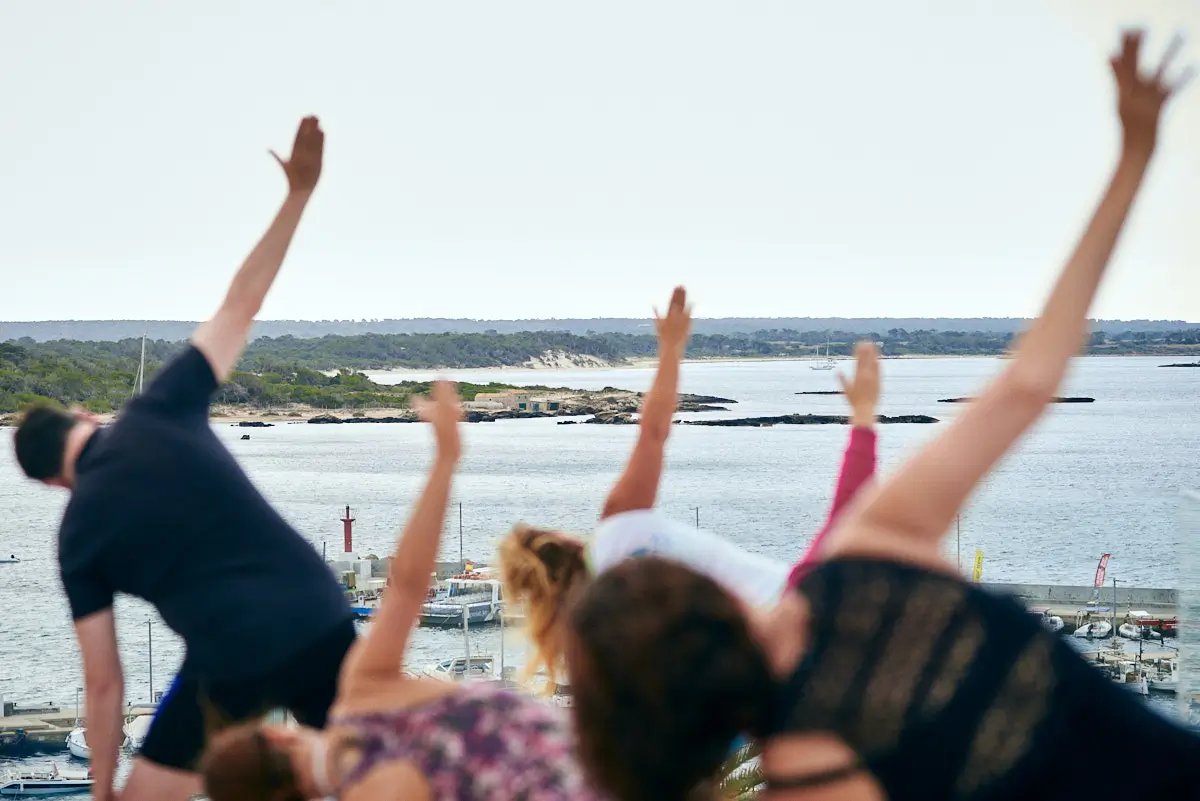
[{"x": 949, "y": 692}]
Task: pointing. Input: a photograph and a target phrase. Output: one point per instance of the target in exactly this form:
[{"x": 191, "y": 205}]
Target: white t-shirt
[{"x": 757, "y": 580}]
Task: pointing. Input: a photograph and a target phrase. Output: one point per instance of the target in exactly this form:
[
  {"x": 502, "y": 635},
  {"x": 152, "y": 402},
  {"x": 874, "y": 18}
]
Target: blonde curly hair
[{"x": 541, "y": 569}]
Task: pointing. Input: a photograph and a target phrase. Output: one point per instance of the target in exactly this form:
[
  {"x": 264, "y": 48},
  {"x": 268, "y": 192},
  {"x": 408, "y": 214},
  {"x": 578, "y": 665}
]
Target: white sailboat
[
  {"x": 829, "y": 364},
  {"x": 136, "y": 730},
  {"x": 77, "y": 744}
]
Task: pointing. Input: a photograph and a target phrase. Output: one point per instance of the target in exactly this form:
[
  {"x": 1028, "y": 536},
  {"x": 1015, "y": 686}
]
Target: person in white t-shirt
[{"x": 541, "y": 568}]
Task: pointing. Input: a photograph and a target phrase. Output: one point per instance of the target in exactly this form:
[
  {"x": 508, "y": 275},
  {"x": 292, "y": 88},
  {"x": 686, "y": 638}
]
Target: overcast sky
[{"x": 552, "y": 159}]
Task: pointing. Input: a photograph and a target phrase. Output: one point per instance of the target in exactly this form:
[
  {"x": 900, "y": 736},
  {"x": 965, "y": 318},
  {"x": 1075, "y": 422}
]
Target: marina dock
[{"x": 46, "y": 728}]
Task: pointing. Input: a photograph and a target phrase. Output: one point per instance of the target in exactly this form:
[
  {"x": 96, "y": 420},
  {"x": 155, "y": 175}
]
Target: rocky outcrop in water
[
  {"x": 328, "y": 419},
  {"x": 253, "y": 424},
  {"x": 612, "y": 419},
  {"x": 685, "y": 398},
  {"x": 608, "y": 406},
  {"x": 1181, "y": 364},
  {"x": 1053, "y": 400},
  {"x": 806, "y": 420}
]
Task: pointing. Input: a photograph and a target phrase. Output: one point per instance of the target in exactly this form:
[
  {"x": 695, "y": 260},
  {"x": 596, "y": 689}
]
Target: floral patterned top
[{"x": 478, "y": 743}]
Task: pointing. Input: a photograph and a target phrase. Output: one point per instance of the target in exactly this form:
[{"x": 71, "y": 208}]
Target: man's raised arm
[{"x": 223, "y": 338}]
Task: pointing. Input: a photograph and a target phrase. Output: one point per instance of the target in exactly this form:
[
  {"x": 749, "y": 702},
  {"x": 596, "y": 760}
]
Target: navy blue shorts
[{"x": 194, "y": 709}]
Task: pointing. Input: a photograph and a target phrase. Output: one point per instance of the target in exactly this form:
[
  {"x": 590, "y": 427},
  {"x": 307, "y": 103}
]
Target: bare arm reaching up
[
  {"x": 909, "y": 514},
  {"x": 638, "y": 485},
  {"x": 223, "y": 338},
  {"x": 381, "y": 653},
  {"x": 858, "y": 463}
]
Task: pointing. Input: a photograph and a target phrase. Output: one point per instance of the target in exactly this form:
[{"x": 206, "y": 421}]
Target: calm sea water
[{"x": 1092, "y": 478}]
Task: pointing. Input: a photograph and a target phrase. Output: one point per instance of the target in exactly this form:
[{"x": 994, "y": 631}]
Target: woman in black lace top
[{"x": 885, "y": 675}]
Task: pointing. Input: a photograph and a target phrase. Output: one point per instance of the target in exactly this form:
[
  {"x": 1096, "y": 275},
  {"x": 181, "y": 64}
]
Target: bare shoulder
[{"x": 391, "y": 781}]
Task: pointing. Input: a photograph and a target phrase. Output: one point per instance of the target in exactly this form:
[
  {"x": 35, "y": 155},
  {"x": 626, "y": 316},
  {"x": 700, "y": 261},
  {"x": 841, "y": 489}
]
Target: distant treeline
[
  {"x": 100, "y": 376},
  {"x": 276, "y": 372},
  {"x": 424, "y": 351}
]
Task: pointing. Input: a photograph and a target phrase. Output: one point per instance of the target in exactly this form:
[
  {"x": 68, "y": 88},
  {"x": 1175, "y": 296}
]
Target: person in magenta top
[
  {"x": 858, "y": 465},
  {"x": 541, "y": 568}
]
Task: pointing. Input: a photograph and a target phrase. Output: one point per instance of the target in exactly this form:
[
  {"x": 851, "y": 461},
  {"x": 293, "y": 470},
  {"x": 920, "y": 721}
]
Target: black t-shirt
[{"x": 161, "y": 510}]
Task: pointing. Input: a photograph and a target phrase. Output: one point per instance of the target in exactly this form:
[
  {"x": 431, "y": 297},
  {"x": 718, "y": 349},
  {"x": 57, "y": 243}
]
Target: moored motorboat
[
  {"x": 1166, "y": 678},
  {"x": 482, "y": 668},
  {"x": 1052, "y": 623},
  {"x": 475, "y": 595},
  {"x": 1095, "y": 630},
  {"x": 44, "y": 783},
  {"x": 1159, "y": 626}
]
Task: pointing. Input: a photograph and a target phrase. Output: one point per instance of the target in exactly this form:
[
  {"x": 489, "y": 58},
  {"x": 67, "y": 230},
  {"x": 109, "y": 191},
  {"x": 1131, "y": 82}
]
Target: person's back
[
  {"x": 947, "y": 691},
  {"x": 162, "y": 510}
]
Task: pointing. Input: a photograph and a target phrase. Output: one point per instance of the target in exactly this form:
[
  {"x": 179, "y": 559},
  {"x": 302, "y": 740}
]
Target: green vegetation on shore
[
  {"x": 101, "y": 378},
  {"x": 287, "y": 371}
]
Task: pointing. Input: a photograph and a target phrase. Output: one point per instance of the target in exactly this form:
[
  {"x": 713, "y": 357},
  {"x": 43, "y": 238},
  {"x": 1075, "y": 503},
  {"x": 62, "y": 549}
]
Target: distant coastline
[
  {"x": 645, "y": 362},
  {"x": 345, "y": 374}
]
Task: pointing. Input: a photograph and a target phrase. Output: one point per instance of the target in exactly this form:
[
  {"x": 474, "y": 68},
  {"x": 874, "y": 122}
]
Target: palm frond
[{"x": 741, "y": 775}]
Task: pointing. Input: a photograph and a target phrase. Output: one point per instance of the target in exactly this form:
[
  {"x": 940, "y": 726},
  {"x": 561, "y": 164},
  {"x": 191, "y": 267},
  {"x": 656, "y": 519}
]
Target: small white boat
[
  {"x": 483, "y": 667},
  {"x": 1132, "y": 631},
  {"x": 44, "y": 783},
  {"x": 11, "y": 559},
  {"x": 77, "y": 744},
  {"x": 1096, "y": 630},
  {"x": 136, "y": 729},
  {"x": 829, "y": 364},
  {"x": 1053, "y": 623},
  {"x": 1165, "y": 679},
  {"x": 1167, "y": 684}
]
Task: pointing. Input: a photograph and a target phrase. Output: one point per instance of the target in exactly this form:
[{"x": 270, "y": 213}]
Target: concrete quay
[
  {"x": 45, "y": 729},
  {"x": 1075, "y": 604}
]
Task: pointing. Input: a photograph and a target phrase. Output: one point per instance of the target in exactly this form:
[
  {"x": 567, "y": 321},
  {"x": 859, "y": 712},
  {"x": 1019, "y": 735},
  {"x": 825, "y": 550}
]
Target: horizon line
[{"x": 578, "y": 319}]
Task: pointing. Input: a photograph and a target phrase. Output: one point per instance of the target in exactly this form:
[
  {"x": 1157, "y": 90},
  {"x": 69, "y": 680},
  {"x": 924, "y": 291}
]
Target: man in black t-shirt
[{"x": 161, "y": 510}]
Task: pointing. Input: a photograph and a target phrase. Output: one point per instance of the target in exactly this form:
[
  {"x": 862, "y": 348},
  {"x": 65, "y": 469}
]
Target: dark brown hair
[
  {"x": 540, "y": 569},
  {"x": 241, "y": 764},
  {"x": 41, "y": 440},
  {"x": 664, "y": 675}
]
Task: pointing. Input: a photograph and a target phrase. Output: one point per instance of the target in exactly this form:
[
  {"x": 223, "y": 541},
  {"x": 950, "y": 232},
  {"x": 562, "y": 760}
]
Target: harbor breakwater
[{"x": 1148, "y": 598}]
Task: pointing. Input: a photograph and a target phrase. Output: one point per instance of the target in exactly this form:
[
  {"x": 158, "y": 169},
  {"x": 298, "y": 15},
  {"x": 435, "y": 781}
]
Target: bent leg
[{"x": 163, "y": 767}]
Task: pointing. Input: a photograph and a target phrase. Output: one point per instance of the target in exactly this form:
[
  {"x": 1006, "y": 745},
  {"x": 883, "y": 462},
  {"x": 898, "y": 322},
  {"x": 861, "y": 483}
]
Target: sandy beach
[{"x": 636, "y": 363}]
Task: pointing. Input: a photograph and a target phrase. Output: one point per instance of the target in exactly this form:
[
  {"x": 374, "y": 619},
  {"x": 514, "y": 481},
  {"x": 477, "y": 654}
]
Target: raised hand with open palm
[
  {"x": 862, "y": 391},
  {"x": 676, "y": 326},
  {"x": 444, "y": 412},
  {"x": 1140, "y": 99},
  {"x": 303, "y": 168}
]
